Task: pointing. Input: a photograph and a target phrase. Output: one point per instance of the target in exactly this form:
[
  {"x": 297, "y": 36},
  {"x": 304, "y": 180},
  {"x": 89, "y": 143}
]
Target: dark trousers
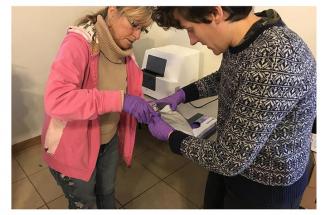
[
  {"x": 99, "y": 191},
  {"x": 237, "y": 192}
]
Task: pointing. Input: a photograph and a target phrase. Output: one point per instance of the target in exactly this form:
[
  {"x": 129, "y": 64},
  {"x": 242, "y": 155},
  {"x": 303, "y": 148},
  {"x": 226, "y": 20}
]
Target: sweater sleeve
[
  {"x": 259, "y": 105},
  {"x": 205, "y": 87},
  {"x": 64, "y": 99}
]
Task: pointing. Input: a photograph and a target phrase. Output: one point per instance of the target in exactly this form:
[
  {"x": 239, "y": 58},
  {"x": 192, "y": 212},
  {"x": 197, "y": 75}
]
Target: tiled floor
[{"x": 157, "y": 179}]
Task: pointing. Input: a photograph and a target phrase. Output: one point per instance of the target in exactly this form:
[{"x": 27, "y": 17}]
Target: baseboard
[{"x": 16, "y": 148}]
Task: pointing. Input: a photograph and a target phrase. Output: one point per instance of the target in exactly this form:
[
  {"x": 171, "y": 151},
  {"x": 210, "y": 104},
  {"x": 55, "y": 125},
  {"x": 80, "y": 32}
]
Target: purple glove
[
  {"x": 139, "y": 108},
  {"x": 159, "y": 128},
  {"x": 172, "y": 100}
]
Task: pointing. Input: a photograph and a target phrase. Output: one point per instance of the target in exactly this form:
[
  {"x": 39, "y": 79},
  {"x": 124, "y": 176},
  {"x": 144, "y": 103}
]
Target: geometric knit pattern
[{"x": 267, "y": 105}]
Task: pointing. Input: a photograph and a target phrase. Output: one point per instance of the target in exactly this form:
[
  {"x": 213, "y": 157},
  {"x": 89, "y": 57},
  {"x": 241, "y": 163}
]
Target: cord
[{"x": 203, "y": 104}]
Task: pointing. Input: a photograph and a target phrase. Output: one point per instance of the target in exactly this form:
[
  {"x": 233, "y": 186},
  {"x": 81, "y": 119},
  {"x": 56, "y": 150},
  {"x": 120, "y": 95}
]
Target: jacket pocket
[{"x": 53, "y": 135}]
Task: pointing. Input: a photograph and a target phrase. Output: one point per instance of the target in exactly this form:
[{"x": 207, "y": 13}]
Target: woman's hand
[{"x": 139, "y": 108}]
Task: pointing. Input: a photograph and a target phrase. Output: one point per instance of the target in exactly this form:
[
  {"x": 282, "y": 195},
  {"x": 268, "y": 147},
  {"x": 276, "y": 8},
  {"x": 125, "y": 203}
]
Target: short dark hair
[{"x": 164, "y": 16}]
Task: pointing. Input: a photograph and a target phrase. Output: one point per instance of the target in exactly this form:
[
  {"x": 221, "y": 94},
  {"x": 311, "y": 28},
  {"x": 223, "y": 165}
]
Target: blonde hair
[{"x": 140, "y": 14}]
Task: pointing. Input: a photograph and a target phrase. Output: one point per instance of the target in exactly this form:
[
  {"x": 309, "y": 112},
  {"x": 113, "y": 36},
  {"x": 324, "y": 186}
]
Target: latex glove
[
  {"x": 139, "y": 108},
  {"x": 172, "y": 100},
  {"x": 159, "y": 128}
]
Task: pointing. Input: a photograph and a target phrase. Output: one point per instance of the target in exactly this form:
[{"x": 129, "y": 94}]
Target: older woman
[{"x": 92, "y": 102}]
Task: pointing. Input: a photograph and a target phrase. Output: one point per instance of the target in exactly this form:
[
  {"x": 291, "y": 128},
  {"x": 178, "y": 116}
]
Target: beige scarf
[{"x": 112, "y": 74}]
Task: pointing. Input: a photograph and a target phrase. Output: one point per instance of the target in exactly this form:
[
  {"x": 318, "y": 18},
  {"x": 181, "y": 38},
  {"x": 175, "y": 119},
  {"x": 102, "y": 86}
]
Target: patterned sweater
[{"x": 267, "y": 104}]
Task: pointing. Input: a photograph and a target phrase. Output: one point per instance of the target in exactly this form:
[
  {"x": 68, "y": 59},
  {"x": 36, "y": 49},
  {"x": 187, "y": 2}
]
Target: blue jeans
[{"x": 99, "y": 191}]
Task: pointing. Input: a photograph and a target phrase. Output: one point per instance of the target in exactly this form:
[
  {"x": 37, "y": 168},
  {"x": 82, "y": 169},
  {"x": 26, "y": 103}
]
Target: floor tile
[
  {"x": 43, "y": 207},
  {"x": 63, "y": 203},
  {"x": 161, "y": 164},
  {"x": 190, "y": 182},
  {"x": 139, "y": 149},
  {"x": 140, "y": 143},
  {"x": 117, "y": 204},
  {"x": 46, "y": 185},
  {"x": 151, "y": 142},
  {"x": 24, "y": 195},
  {"x": 160, "y": 146},
  {"x": 31, "y": 159},
  {"x": 131, "y": 182},
  {"x": 59, "y": 203},
  {"x": 161, "y": 196},
  {"x": 17, "y": 172}
]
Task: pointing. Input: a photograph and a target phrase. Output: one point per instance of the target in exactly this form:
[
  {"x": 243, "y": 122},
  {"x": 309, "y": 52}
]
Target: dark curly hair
[{"x": 164, "y": 16}]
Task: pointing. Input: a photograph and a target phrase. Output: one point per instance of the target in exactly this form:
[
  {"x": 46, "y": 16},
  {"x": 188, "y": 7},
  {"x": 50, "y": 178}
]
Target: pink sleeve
[{"x": 64, "y": 98}]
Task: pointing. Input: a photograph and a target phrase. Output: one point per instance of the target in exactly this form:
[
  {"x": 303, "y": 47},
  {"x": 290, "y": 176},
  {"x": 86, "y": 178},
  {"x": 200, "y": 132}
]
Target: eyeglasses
[{"x": 135, "y": 25}]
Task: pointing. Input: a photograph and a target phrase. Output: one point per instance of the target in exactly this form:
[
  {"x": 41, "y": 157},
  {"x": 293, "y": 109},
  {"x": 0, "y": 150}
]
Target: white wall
[
  {"x": 300, "y": 19},
  {"x": 36, "y": 35},
  {"x": 38, "y": 31}
]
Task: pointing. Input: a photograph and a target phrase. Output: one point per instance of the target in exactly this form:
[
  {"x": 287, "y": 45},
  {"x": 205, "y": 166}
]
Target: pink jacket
[{"x": 71, "y": 132}]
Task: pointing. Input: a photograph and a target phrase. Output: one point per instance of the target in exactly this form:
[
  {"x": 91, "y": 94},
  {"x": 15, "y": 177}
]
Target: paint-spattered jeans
[{"x": 98, "y": 192}]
